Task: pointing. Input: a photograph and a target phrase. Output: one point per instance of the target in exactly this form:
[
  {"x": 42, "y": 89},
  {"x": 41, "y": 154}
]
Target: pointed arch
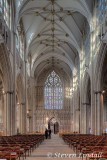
[{"x": 53, "y": 91}]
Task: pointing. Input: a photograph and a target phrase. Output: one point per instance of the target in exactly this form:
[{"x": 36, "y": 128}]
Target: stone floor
[{"x": 54, "y": 148}]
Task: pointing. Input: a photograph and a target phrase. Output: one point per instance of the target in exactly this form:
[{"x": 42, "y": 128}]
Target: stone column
[
  {"x": 74, "y": 113},
  {"x": 84, "y": 117},
  {"x": 81, "y": 108},
  {"x": 20, "y": 121},
  {"x": 13, "y": 95},
  {"x": 12, "y": 112},
  {"x": 88, "y": 116},
  {"x": 21, "y": 117},
  {"x": 8, "y": 113},
  {"x": 93, "y": 111},
  {"x": 25, "y": 104},
  {"x": 96, "y": 113},
  {"x": 33, "y": 110},
  {"x": 31, "y": 121},
  {"x": 5, "y": 115},
  {"x": 78, "y": 120},
  {"x": 77, "y": 112},
  {"x": 100, "y": 115}
]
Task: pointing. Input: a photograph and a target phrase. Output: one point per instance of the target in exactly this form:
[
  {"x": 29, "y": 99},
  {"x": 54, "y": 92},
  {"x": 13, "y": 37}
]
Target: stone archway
[
  {"x": 56, "y": 127},
  {"x": 61, "y": 107},
  {"x": 53, "y": 124}
]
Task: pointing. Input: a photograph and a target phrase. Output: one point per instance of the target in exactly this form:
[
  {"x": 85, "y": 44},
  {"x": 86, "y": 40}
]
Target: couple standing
[{"x": 48, "y": 133}]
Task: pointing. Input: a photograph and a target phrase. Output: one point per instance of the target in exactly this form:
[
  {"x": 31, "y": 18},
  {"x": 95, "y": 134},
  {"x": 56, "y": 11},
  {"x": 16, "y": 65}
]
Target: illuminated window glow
[
  {"x": 6, "y": 13},
  {"x": 21, "y": 49},
  {"x": 53, "y": 92},
  {"x": 1, "y": 6},
  {"x": 17, "y": 40},
  {"x": 31, "y": 36},
  {"x": 19, "y": 2},
  {"x": 28, "y": 68},
  {"x": 102, "y": 9},
  {"x": 68, "y": 92}
]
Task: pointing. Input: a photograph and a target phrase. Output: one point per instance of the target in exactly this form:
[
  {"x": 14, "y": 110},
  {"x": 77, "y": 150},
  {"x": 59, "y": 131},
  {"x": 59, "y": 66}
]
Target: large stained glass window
[{"x": 53, "y": 92}]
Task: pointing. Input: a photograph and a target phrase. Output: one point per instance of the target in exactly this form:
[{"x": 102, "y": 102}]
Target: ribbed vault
[{"x": 54, "y": 27}]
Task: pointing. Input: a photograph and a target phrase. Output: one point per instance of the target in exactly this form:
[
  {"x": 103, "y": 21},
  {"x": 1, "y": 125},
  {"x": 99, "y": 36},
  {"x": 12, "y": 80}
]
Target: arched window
[
  {"x": 17, "y": 40},
  {"x": 1, "y": 6},
  {"x": 53, "y": 92},
  {"x": 102, "y": 9},
  {"x": 19, "y": 2},
  {"x": 7, "y": 13}
]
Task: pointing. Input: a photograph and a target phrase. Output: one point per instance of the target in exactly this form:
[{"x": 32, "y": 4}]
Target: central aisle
[{"x": 52, "y": 149}]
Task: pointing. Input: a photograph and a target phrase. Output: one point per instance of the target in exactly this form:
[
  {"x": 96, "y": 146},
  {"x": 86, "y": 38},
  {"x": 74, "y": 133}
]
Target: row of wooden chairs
[
  {"x": 15, "y": 147},
  {"x": 93, "y": 147}
]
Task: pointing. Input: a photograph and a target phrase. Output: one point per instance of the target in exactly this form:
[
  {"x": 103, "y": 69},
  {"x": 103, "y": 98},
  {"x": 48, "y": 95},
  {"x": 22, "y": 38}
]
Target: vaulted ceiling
[{"x": 54, "y": 29}]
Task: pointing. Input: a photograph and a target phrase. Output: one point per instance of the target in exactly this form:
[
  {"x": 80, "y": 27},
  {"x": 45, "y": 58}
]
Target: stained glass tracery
[{"x": 53, "y": 92}]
